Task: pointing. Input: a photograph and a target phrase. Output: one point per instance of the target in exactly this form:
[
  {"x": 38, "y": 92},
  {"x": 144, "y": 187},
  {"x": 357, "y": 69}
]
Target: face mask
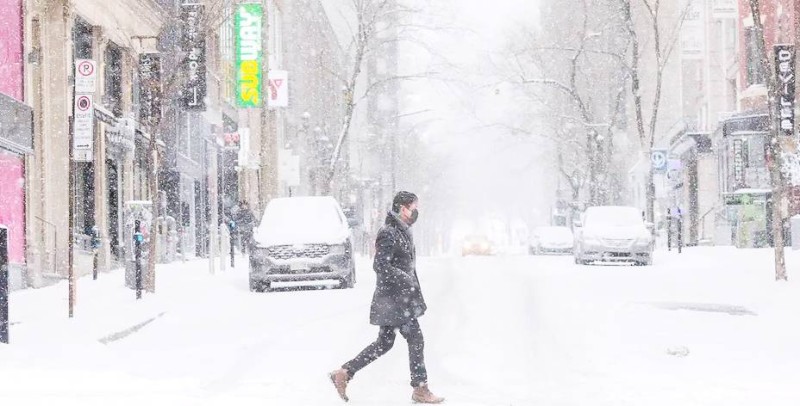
[{"x": 414, "y": 217}]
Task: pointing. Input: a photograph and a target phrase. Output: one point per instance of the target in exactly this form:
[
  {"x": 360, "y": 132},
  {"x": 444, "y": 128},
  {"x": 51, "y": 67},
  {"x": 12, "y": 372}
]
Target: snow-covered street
[{"x": 707, "y": 327}]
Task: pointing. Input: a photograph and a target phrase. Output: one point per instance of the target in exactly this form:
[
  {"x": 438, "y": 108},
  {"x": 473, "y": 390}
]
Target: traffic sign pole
[
  {"x": 71, "y": 220},
  {"x": 84, "y": 75}
]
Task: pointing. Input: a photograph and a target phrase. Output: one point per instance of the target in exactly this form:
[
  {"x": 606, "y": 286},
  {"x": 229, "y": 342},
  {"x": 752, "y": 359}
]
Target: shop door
[
  {"x": 113, "y": 208},
  {"x": 12, "y": 204}
]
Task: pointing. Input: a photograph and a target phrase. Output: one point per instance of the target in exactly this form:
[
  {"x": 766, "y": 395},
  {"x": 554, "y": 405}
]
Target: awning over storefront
[
  {"x": 16, "y": 126},
  {"x": 747, "y": 196},
  {"x": 746, "y": 123},
  {"x": 701, "y": 142}
]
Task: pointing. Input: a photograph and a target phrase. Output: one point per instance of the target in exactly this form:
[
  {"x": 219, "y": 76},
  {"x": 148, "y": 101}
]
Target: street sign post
[
  {"x": 83, "y": 137},
  {"x": 85, "y": 76},
  {"x": 278, "y": 88}
]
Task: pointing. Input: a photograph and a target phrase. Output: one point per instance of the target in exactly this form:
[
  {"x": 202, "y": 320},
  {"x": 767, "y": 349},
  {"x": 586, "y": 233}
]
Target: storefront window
[
  {"x": 756, "y": 71},
  {"x": 82, "y": 35},
  {"x": 113, "y": 79}
]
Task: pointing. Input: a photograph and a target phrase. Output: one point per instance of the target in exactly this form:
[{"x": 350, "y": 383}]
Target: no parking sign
[{"x": 85, "y": 76}]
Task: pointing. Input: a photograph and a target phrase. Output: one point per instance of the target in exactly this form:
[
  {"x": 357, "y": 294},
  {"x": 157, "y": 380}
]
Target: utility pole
[
  {"x": 269, "y": 152},
  {"x": 213, "y": 200},
  {"x": 774, "y": 155}
]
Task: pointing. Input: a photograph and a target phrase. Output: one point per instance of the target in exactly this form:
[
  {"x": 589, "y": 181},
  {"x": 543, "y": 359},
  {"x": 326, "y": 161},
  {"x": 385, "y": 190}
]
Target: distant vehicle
[
  {"x": 476, "y": 245},
  {"x": 552, "y": 240},
  {"x": 302, "y": 239},
  {"x": 613, "y": 233}
]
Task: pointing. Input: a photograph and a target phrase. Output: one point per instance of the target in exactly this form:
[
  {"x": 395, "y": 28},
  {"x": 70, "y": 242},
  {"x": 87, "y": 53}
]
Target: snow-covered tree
[{"x": 573, "y": 68}]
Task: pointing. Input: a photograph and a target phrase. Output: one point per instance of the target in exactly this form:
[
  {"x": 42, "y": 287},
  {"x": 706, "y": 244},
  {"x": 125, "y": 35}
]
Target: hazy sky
[{"x": 483, "y": 169}]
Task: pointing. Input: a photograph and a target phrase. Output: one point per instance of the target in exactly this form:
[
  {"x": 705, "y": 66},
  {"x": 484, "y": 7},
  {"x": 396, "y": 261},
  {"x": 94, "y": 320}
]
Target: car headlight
[
  {"x": 338, "y": 249},
  {"x": 644, "y": 240}
]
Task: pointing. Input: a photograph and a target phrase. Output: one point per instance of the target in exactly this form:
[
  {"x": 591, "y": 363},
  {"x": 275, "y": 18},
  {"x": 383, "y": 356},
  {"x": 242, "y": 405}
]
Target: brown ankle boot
[
  {"x": 340, "y": 377},
  {"x": 424, "y": 395}
]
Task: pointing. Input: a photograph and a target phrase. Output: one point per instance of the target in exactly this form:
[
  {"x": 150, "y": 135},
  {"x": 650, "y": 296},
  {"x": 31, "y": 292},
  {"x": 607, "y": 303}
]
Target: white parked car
[
  {"x": 302, "y": 239},
  {"x": 553, "y": 240},
  {"x": 613, "y": 233}
]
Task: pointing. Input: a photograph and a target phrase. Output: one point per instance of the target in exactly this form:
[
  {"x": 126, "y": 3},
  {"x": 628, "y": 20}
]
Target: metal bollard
[
  {"x": 233, "y": 243},
  {"x": 95, "y": 251},
  {"x": 3, "y": 285},
  {"x": 137, "y": 241},
  {"x": 669, "y": 231}
]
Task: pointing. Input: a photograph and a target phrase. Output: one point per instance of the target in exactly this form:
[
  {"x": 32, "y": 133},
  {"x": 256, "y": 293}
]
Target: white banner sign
[
  {"x": 726, "y": 9},
  {"x": 83, "y": 128},
  {"x": 85, "y": 76},
  {"x": 289, "y": 170},
  {"x": 244, "y": 147},
  {"x": 278, "y": 88},
  {"x": 693, "y": 36}
]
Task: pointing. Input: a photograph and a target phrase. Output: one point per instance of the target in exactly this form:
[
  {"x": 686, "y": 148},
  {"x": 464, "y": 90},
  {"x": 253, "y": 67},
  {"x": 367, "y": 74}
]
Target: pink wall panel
[
  {"x": 11, "y": 48},
  {"x": 12, "y": 204}
]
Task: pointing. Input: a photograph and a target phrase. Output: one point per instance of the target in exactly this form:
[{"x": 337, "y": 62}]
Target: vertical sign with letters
[
  {"x": 785, "y": 92},
  {"x": 150, "y": 89},
  {"x": 194, "y": 63},
  {"x": 248, "y": 25}
]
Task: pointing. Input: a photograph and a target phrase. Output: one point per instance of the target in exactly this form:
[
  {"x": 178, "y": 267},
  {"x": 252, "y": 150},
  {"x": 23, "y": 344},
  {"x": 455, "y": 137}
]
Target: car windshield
[
  {"x": 555, "y": 232},
  {"x": 613, "y": 217},
  {"x": 477, "y": 239},
  {"x": 301, "y": 213}
]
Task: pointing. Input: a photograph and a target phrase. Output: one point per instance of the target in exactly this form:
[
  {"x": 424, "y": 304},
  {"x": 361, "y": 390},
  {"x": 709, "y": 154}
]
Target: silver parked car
[
  {"x": 552, "y": 240},
  {"x": 615, "y": 234},
  {"x": 302, "y": 239}
]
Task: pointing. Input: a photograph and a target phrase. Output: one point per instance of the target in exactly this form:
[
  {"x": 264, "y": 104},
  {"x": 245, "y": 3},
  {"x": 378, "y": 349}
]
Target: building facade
[{"x": 144, "y": 66}]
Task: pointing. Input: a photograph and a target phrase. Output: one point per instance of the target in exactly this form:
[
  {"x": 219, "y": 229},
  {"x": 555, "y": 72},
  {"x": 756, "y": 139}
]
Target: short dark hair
[{"x": 403, "y": 199}]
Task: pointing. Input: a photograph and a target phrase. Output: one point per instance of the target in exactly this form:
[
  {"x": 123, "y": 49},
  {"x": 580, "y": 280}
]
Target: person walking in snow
[
  {"x": 245, "y": 222},
  {"x": 397, "y": 303}
]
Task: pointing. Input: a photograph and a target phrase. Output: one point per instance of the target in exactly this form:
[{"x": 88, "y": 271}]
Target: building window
[
  {"x": 113, "y": 79},
  {"x": 756, "y": 71},
  {"x": 184, "y": 136},
  {"x": 82, "y": 37},
  {"x": 141, "y": 160}
]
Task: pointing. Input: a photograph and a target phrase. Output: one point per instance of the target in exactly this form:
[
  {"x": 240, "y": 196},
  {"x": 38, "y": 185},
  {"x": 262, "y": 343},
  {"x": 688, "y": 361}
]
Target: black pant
[
  {"x": 416, "y": 351},
  {"x": 245, "y": 240}
]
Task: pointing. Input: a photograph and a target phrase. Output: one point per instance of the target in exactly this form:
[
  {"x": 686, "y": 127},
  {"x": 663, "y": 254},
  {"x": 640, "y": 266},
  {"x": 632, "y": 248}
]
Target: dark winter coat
[
  {"x": 398, "y": 297},
  {"x": 245, "y": 220}
]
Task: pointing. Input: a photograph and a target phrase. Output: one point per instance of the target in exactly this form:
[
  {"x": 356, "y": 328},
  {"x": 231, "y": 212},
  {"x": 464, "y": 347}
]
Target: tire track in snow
[{"x": 481, "y": 327}]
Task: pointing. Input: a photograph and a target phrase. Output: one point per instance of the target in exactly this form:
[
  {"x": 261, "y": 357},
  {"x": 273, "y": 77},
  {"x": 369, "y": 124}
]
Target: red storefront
[{"x": 16, "y": 136}]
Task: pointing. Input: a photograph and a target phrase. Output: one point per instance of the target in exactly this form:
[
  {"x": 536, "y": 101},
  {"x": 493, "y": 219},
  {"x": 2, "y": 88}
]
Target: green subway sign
[{"x": 249, "y": 56}]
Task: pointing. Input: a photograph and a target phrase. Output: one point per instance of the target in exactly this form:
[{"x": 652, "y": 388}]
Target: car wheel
[
  {"x": 577, "y": 255},
  {"x": 259, "y": 286},
  {"x": 350, "y": 281}
]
